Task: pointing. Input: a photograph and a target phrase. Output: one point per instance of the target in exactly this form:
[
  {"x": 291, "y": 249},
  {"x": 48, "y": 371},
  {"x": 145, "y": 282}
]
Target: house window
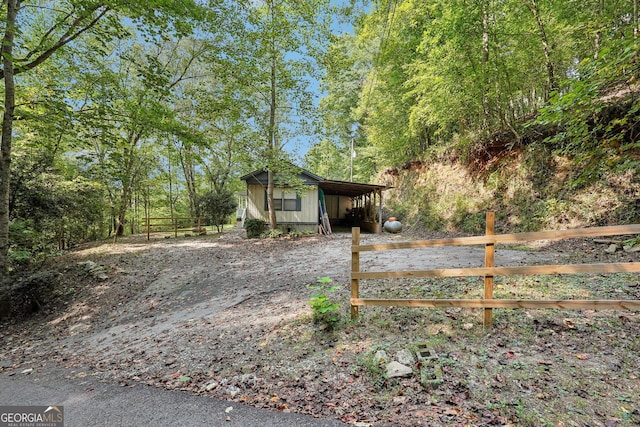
[{"x": 284, "y": 201}]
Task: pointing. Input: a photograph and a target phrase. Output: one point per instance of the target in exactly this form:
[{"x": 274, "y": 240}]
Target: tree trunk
[
  {"x": 189, "y": 171},
  {"x": 128, "y": 180},
  {"x": 171, "y": 199},
  {"x": 273, "y": 221},
  {"x": 485, "y": 63},
  {"x": 635, "y": 19},
  {"x": 551, "y": 79},
  {"x": 272, "y": 147},
  {"x": 122, "y": 211},
  {"x": 7, "y": 129}
]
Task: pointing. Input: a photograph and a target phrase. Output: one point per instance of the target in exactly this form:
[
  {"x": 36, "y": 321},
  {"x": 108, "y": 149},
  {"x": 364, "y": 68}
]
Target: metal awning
[
  {"x": 330, "y": 187},
  {"x": 349, "y": 189}
]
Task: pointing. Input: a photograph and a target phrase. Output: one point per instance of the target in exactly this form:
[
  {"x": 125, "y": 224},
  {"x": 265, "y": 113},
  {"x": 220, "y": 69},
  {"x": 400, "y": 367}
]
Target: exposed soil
[{"x": 230, "y": 318}]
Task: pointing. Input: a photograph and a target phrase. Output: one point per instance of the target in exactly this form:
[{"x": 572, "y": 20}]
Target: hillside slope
[{"x": 533, "y": 180}]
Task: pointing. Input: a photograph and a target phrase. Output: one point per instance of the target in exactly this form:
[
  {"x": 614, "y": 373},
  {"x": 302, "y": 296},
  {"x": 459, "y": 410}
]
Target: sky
[{"x": 299, "y": 146}]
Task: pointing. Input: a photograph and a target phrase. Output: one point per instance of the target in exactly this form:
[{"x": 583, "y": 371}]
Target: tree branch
[{"x": 66, "y": 38}]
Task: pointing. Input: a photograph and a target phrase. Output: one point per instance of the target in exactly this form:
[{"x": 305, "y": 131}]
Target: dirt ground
[{"x": 230, "y": 317}]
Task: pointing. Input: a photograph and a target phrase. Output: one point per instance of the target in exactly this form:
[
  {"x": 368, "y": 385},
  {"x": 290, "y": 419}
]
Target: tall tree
[
  {"x": 286, "y": 39},
  {"x": 546, "y": 47}
]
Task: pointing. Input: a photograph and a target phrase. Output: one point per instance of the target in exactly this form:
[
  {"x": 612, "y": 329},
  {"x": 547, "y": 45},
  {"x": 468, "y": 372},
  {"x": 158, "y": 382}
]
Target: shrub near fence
[{"x": 489, "y": 271}]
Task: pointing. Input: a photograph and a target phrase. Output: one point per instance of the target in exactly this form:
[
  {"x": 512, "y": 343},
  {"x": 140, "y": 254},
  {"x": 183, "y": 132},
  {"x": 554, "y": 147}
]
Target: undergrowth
[{"x": 530, "y": 188}]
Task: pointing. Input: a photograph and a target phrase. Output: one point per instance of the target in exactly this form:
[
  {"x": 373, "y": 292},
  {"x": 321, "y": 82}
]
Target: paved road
[{"x": 90, "y": 403}]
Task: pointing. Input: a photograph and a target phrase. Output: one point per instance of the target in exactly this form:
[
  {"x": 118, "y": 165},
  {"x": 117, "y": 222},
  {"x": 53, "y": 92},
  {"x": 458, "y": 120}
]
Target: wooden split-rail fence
[
  {"x": 489, "y": 271},
  {"x": 172, "y": 223}
]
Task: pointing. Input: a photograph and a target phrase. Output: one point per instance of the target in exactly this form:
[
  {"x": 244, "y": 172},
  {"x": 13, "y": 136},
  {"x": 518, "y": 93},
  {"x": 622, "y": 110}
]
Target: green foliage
[
  {"x": 50, "y": 211},
  {"x": 295, "y": 234},
  {"x": 298, "y": 233},
  {"x": 328, "y": 160},
  {"x": 325, "y": 308},
  {"x": 217, "y": 207},
  {"x": 272, "y": 234},
  {"x": 596, "y": 118},
  {"x": 19, "y": 257},
  {"x": 633, "y": 242},
  {"x": 421, "y": 74},
  {"x": 374, "y": 368},
  {"x": 254, "y": 227}
]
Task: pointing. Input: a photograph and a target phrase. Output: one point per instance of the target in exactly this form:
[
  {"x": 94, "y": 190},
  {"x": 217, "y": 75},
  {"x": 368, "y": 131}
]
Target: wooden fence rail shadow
[
  {"x": 172, "y": 223},
  {"x": 489, "y": 271}
]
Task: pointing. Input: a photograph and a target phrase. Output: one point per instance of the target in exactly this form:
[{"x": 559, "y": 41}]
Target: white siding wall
[{"x": 308, "y": 214}]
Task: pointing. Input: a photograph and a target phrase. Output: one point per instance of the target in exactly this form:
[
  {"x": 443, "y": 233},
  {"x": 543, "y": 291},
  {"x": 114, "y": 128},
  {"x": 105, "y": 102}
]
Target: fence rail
[
  {"x": 174, "y": 223},
  {"x": 489, "y": 271}
]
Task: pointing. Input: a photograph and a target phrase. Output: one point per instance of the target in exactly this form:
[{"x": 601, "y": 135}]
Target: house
[{"x": 345, "y": 204}]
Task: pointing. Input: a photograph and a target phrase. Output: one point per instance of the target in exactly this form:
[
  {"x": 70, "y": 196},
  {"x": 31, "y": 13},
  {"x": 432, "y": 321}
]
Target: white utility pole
[{"x": 352, "y": 155}]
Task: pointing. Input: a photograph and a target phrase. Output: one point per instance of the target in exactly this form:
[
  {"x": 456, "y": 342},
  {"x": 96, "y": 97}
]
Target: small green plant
[
  {"x": 325, "y": 309},
  {"x": 272, "y": 234},
  {"x": 373, "y": 367},
  {"x": 633, "y": 242},
  {"x": 295, "y": 234},
  {"x": 19, "y": 256}
]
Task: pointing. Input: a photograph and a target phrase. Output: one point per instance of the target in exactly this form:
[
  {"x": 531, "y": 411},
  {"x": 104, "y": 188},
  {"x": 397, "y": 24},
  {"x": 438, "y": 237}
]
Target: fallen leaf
[
  {"x": 453, "y": 411},
  {"x": 582, "y": 356}
]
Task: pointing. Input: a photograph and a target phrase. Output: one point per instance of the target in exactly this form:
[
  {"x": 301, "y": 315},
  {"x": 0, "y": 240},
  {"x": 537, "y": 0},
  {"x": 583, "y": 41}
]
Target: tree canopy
[{"x": 416, "y": 76}]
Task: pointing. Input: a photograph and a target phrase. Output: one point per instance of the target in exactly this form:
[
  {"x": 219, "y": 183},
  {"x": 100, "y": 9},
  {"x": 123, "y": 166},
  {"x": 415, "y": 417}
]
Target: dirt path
[
  {"x": 192, "y": 279},
  {"x": 229, "y": 317}
]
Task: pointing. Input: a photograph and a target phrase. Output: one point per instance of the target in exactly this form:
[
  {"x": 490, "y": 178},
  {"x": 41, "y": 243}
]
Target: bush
[
  {"x": 20, "y": 297},
  {"x": 254, "y": 227},
  {"x": 28, "y": 246},
  {"x": 217, "y": 207}
]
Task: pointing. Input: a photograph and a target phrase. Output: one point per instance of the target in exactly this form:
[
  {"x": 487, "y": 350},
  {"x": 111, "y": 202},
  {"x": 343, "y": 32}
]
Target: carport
[{"x": 365, "y": 210}]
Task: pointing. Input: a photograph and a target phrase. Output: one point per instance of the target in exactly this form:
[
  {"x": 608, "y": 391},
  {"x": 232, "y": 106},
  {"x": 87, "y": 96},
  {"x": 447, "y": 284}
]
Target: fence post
[
  {"x": 175, "y": 227},
  {"x": 489, "y": 251},
  {"x": 355, "y": 267},
  {"x": 148, "y": 228}
]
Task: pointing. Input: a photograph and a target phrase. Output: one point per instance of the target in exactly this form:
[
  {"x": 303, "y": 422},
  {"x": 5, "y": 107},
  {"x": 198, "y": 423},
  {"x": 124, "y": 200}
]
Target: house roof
[{"x": 330, "y": 187}]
